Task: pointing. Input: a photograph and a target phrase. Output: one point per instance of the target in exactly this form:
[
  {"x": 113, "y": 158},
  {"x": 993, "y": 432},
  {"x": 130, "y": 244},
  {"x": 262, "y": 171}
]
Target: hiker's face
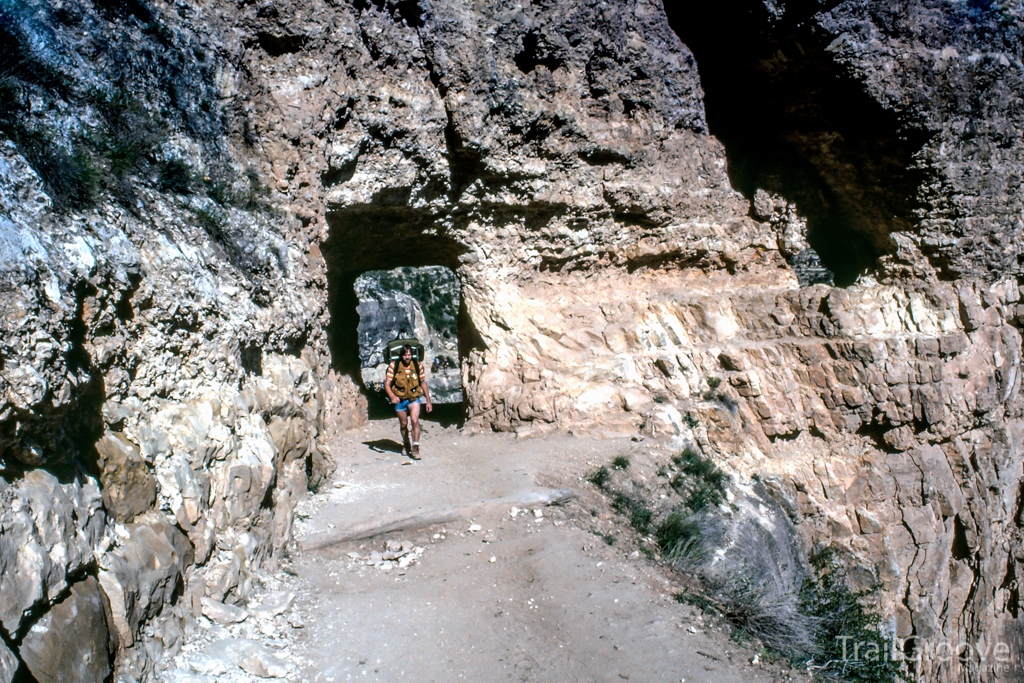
[{"x": 406, "y": 357}]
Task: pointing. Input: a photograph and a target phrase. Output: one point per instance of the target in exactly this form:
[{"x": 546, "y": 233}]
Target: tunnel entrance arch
[{"x": 386, "y": 240}]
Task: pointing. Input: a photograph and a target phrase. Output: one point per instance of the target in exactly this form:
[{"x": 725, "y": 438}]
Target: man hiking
[{"x": 406, "y": 387}]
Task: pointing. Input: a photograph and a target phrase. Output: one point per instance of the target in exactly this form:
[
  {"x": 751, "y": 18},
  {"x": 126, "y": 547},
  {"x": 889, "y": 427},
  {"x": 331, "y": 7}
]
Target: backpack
[{"x": 394, "y": 351}]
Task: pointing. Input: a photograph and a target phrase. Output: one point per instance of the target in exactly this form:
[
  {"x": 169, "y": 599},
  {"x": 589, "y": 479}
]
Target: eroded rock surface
[{"x": 169, "y": 351}]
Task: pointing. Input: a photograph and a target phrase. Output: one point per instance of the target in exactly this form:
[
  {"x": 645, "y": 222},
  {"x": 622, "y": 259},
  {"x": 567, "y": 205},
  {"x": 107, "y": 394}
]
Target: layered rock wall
[{"x": 171, "y": 335}]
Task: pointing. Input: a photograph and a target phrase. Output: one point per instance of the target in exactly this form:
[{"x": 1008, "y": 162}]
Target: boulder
[
  {"x": 47, "y": 531},
  {"x": 128, "y": 487},
  {"x": 71, "y": 641},
  {"x": 141, "y": 575},
  {"x": 222, "y": 613}
]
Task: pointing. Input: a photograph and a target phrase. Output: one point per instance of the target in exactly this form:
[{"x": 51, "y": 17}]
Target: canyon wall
[{"x": 189, "y": 190}]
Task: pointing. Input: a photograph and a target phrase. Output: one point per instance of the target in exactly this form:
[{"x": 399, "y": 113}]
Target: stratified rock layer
[{"x": 172, "y": 323}]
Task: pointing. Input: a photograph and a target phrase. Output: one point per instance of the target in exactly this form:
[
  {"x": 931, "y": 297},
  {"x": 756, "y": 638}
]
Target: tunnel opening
[
  {"x": 389, "y": 256},
  {"x": 795, "y": 124}
]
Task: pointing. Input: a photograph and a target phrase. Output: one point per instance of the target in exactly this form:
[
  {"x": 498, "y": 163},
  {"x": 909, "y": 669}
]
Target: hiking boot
[{"x": 415, "y": 455}]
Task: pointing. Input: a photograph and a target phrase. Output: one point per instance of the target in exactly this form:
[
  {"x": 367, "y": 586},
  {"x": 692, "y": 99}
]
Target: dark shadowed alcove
[{"x": 795, "y": 123}]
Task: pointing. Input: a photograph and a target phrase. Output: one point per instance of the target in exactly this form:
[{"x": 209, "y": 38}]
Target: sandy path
[{"x": 556, "y": 603}]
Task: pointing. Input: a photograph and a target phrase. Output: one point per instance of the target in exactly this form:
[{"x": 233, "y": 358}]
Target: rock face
[
  {"x": 50, "y": 531},
  {"x": 180, "y": 230},
  {"x": 8, "y": 664}
]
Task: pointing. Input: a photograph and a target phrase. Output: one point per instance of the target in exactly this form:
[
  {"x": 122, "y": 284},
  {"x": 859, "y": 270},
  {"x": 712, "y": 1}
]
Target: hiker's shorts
[{"x": 402, "y": 406}]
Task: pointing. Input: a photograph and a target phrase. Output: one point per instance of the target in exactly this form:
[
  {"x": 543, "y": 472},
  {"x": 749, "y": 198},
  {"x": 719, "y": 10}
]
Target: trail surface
[{"x": 420, "y": 572}]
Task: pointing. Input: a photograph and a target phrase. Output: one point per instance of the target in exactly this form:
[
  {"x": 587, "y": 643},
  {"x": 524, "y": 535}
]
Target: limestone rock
[
  {"x": 70, "y": 642},
  {"x": 128, "y": 487},
  {"x": 223, "y": 613},
  {"x": 8, "y": 664},
  {"x": 265, "y": 666},
  {"x": 47, "y": 531},
  {"x": 140, "y": 576},
  {"x": 274, "y": 604},
  {"x": 559, "y": 163}
]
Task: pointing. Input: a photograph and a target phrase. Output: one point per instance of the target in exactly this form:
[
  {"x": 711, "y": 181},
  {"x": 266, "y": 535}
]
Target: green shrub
[
  {"x": 842, "y": 620},
  {"x": 679, "y": 538},
  {"x": 639, "y": 514},
  {"x": 175, "y": 176},
  {"x": 70, "y": 177},
  {"x": 130, "y": 135},
  {"x": 211, "y": 219},
  {"x": 690, "y": 421},
  {"x": 599, "y": 477},
  {"x": 218, "y": 189},
  {"x": 620, "y": 462},
  {"x": 160, "y": 31},
  {"x": 700, "y": 481},
  {"x": 714, "y": 382}
]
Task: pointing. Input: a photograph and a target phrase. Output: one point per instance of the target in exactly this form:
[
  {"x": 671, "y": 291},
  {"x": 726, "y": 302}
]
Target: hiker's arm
[{"x": 387, "y": 386}]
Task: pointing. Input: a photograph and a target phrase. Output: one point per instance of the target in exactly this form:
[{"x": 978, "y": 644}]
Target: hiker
[{"x": 406, "y": 387}]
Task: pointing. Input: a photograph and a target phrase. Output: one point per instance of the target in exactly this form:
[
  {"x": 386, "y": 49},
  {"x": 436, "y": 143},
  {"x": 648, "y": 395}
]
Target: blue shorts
[{"x": 402, "y": 406}]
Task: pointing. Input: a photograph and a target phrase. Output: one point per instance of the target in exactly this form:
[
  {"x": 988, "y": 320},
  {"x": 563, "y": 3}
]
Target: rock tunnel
[
  {"x": 795, "y": 124},
  {"x": 383, "y": 239}
]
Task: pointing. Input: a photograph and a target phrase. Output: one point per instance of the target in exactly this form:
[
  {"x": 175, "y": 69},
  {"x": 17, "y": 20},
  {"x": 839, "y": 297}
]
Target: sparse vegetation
[
  {"x": 160, "y": 31},
  {"x": 807, "y": 620},
  {"x": 211, "y": 219},
  {"x": 131, "y": 135},
  {"x": 700, "y": 482},
  {"x": 71, "y": 177},
  {"x": 175, "y": 176},
  {"x": 690, "y": 421},
  {"x": 696, "y": 600},
  {"x": 639, "y": 515},
  {"x": 714, "y": 382},
  {"x": 621, "y": 462},
  {"x": 679, "y": 539},
  {"x": 842, "y": 619},
  {"x": 599, "y": 477}
]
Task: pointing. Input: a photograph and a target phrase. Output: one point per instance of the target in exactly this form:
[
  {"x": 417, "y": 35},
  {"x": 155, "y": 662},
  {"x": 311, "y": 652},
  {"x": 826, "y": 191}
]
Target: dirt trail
[{"x": 476, "y": 594}]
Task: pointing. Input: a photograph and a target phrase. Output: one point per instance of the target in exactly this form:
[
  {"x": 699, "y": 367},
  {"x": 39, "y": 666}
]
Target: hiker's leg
[
  {"x": 403, "y": 421},
  {"x": 414, "y": 415}
]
